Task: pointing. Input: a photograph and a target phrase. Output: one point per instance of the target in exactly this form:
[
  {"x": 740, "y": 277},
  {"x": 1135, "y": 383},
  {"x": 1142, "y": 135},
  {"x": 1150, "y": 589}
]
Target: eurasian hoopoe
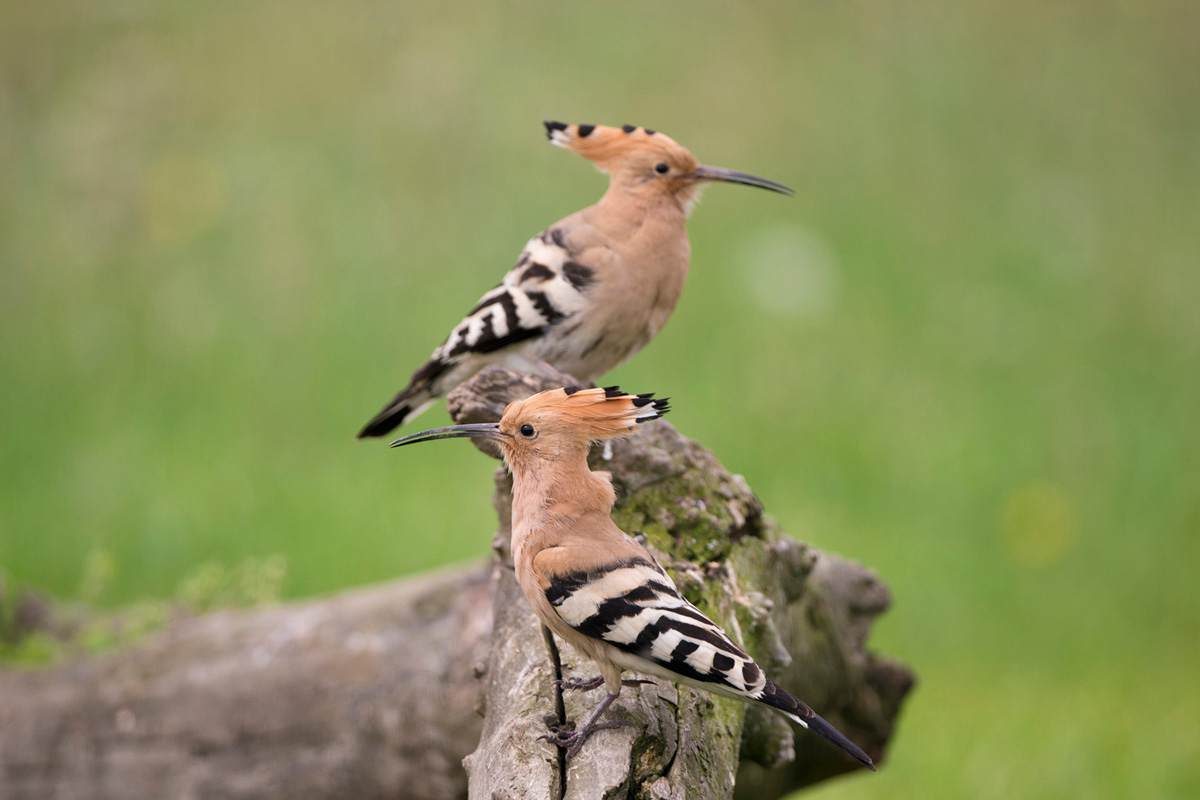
[
  {"x": 592, "y": 584},
  {"x": 592, "y": 289}
]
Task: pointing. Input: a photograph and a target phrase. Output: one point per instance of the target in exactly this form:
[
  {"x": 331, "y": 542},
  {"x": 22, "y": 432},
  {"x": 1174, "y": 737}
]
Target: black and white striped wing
[
  {"x": 544, "y": 288},
  {"x": 634, "y": 606}
]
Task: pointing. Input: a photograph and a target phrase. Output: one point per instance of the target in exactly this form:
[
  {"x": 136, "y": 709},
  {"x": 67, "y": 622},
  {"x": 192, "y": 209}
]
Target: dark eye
[
  {"x": 527, "y": 430},
  {"x": 662, "y": 168}
]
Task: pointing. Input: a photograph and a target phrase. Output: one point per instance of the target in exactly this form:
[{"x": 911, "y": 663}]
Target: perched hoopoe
[
  {"x": 592, "y": 584},
  {"x": 592, "y": 289}
]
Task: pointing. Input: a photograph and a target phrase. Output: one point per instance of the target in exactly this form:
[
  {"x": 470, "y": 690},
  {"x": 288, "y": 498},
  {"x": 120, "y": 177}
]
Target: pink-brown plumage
[
  {"x": 592, "y": 289},
  {"x": 591, "y": 583}
]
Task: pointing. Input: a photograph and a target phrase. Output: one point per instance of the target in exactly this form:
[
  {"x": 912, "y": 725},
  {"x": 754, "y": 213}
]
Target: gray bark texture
[{"x": 390, "y": 691}]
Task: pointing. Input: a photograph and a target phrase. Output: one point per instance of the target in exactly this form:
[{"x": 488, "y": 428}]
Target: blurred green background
[{"x": 966, "y": 353}]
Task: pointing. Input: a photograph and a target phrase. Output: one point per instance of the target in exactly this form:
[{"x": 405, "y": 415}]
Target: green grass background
[{"x": 966, "y": 353}]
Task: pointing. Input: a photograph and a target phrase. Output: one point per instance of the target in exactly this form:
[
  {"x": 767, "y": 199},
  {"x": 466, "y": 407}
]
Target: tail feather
[
  {"x": 415, "y": 398},
  {"x": 392, "y": 416},
  {"x": 799, "y": 712}
]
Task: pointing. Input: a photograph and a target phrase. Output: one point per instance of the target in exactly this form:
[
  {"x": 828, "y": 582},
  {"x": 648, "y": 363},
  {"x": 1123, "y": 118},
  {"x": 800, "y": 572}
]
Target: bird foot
[
  {"x": 587, "y": 684},
  {"x": 579, "y": 684},
  {"x": 572, "y": 740}
]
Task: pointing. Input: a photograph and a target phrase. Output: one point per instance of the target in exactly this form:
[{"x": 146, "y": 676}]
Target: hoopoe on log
[
  {"x": 592, "y": 584},
  {"x": 593, "y": 288}
]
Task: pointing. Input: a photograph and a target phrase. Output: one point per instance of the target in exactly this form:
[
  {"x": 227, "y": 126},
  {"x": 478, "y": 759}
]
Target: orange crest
[
  {"x": 586, "y": 414},
  {"x": 610, "y": 147}
]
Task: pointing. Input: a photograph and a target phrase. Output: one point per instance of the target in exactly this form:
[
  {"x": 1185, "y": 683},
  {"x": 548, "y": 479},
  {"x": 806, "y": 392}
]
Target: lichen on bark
[
  {"x": 731, "y": 560},
  {"x": 379, "y": 692}
]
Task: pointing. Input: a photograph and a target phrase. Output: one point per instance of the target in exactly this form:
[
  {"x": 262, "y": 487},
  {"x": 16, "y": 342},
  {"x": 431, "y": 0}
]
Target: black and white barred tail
[
  {"x": 415, "y": 398},
  {"x": 799, "y": 712}
]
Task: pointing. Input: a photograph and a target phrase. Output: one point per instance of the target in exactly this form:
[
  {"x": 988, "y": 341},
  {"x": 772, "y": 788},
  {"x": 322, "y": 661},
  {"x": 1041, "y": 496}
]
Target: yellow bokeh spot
[
  {"x": 182, "y": 195},
  {"x": 1038, "y": 526}
]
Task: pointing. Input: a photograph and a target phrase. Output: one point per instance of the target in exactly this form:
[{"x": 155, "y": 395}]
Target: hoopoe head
[
  {"x": 560, "y": 423},
  {"x": 646, "y": 163}
]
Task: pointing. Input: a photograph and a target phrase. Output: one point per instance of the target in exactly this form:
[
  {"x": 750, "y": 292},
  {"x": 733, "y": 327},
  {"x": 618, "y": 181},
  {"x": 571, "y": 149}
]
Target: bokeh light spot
[
  {"x": 792, "y": 270},
  {"x": 1038, "y": 526},
  {"x": 183, "y": 195}
]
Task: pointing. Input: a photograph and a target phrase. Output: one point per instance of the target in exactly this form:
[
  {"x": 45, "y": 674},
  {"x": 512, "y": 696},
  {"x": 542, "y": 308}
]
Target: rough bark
[
  {"x": 377, "y": 693},
  {"x": 370, "y": 694},
  {"x": 804, "y": 616}
]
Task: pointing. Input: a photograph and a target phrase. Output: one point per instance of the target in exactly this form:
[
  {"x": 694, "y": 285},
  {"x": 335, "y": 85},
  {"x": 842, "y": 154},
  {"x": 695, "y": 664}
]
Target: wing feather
[
  {"x": 633, "y": 605},
  {"x": 543, "y": 289},
  {"x": 624, "y": 599}
]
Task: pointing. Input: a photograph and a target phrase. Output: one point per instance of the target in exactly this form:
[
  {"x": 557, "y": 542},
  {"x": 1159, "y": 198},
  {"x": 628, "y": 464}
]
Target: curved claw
[
  {"x": 587, "y": 684},
  {"x": 579, "y": 684},
  {"x": 572, "y": 740}
]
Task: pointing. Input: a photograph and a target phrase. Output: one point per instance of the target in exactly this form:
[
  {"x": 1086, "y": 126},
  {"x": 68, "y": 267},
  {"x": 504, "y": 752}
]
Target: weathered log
[
  {"x": 780, "y": 598},
  {"x": 376, "y": 693},
  {"x": 369, "y": 694}
]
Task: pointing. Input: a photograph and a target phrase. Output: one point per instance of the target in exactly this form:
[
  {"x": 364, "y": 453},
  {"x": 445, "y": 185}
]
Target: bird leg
[{"x": 572, "y": 740}]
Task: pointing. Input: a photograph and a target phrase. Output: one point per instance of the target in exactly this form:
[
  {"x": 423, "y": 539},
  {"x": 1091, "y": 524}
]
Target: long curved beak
[
  {"x": 703, "y": 173},
  {"x": 480, "y": 430}
]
